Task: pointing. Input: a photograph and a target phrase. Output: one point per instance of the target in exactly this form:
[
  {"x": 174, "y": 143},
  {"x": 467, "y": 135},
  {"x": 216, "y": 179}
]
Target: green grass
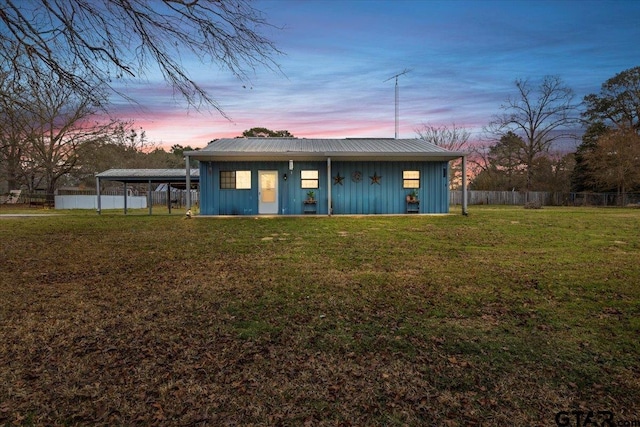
[{"x": 504, "y": 317}]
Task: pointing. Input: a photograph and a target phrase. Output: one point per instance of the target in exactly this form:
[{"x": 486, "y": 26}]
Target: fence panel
[
  {"x": 158, "y": 198},
  {"x": 544, "y": 198}
]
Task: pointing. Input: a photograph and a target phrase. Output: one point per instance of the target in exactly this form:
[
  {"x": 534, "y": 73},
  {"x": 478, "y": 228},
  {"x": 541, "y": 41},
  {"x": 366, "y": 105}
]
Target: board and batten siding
[
  {"x": 365, "y": 197},
  {"x": 350, "y": 197}
]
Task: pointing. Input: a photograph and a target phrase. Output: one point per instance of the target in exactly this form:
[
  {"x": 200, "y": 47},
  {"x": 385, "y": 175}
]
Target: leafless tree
[
  {"x": 453, "y": 138},
  {"x": 85, "y": 43},
  {"x": 55, "y": 122},
  {"x": 12, "y": 131},
  {"x": 540, "y": 115}
]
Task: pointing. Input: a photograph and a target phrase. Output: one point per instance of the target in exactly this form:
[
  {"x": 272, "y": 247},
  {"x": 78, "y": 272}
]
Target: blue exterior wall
[{"x": 349, "y": 197}]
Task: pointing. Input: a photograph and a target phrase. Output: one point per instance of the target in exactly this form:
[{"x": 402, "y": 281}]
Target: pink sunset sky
[{"x": 338, "y": 55}]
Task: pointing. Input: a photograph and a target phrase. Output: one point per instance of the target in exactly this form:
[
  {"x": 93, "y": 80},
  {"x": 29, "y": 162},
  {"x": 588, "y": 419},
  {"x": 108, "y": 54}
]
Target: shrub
[{"x": 533, "y": 205}]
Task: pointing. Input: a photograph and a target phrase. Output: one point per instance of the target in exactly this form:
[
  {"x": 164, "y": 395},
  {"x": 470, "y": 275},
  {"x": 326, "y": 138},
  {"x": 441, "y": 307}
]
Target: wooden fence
[{"x": 544, "y": 198}]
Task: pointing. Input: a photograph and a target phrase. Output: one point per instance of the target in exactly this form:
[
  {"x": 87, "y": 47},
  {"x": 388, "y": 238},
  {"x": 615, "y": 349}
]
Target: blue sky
[{"x": 463, "y": 55}]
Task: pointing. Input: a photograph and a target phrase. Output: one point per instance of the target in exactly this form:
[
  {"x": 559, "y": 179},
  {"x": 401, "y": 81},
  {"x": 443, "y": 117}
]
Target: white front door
[{"x": 268, "y": 192}]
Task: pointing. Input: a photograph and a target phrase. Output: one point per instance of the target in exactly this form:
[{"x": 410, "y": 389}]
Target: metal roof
[
  {"x": 317, "y": 148},
  {"x": 146, "y": 175}
]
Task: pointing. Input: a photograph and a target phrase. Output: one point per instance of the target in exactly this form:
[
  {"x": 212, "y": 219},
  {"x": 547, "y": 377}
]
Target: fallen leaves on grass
[{"x": 238, "y": 330}]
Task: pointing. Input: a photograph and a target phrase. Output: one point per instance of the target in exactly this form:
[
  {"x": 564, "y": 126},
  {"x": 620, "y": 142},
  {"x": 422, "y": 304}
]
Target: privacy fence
[{"x": 544, "y": 198}]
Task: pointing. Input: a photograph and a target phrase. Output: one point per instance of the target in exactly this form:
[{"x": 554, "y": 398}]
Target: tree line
[{"x": 518, "y": 148}]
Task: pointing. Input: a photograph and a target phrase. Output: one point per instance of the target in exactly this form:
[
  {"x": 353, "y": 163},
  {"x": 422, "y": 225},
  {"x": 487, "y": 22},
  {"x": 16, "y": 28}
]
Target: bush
[{"x": 533, "y": 205}]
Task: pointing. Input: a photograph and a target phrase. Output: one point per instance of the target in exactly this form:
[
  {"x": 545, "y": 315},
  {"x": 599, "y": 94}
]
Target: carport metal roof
[
  {"x": 130, "y": 176},
  {"x": 148, "y": 175}
]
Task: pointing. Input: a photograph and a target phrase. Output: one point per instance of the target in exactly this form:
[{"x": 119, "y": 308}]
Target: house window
[
  {"x": 410, "y": 179},
  {"x": 309, "y": 179},
  {"x": 235, "y": 180}
]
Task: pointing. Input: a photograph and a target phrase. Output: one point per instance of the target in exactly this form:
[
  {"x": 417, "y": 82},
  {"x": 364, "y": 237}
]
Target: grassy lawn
[{"x": 504, "y": 317}]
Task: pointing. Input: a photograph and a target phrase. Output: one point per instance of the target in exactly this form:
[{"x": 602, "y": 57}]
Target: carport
[{"x": 176, "y": 178}]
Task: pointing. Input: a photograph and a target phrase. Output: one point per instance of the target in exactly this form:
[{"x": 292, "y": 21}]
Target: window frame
[
  {"x": 229, "y": 180},
  {"x": 310, "y": 182},
  {"x": 409, "y": 181}
]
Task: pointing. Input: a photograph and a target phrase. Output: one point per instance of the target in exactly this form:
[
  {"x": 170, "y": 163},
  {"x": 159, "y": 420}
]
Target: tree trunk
[
  {"x": 13, "y": 170},
  {"x": 50, "y": 189}
]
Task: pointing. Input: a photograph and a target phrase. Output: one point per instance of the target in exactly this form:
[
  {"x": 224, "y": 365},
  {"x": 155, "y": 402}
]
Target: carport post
[
  {"x": 125, "y": 198},
  {"x": 188, "y": 182},
  {"x": 169, "y": 197},
  {"x": 149, "y": 196},
  {"x": 98, "y": 195}
]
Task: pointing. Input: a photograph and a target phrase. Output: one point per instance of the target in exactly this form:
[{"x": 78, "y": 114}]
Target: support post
[
  {"x": 329, "y": 202},
  {"x": 188, "y": 181},
  {"x": 99, "y": 205},
  {"x": 125, "y": 198},
  {"x": 149, "y": 196},
  {"x": 169, "y": 197},
  {"x": 464, "y": 186}
]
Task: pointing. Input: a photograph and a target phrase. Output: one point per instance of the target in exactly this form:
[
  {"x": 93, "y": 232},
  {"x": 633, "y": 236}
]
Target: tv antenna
[{"x": 405, "y": 71}]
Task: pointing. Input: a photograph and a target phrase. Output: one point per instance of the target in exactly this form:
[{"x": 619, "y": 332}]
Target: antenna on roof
[{"x": 405, "y": 71}]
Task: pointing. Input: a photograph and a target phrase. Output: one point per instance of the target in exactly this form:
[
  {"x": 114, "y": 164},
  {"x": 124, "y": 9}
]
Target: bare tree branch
[
  {"x": 44, "y": 123},
  {"x": 454, "y": 138},
  {"x": 103, "y": 42}
]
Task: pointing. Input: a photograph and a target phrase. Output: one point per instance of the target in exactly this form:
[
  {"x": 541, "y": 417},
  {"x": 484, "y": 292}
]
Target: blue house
[{"x": 296, "y": 176}]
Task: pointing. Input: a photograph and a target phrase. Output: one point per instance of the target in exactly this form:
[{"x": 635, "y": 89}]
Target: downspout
[
  {"x": 330, "y": 204},
  {"x": 188, "y": 181},
  {"x": 98, "y": 195},
  {"x": 464, "y": 186}
]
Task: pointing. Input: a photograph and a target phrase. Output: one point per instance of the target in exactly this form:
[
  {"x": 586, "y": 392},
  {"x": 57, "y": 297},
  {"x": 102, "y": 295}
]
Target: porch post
[
  {"x": 329, "y": 203},
  {"x": 125, "y": 197},
  {"x": 188, "y": 181},
  {"x": 464, "y": 186}
]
